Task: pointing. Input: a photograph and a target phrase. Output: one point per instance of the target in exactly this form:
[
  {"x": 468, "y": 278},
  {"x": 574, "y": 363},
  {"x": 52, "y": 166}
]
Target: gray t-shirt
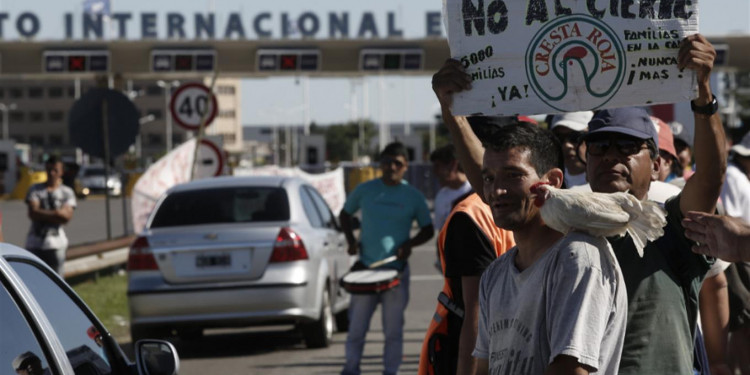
[
  {"x": 571, "y": 301},
  {"x": 43, "y": 235}
]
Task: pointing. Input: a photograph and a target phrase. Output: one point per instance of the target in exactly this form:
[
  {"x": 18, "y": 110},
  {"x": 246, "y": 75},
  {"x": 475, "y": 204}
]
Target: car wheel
[
  {"x": 342, "y": 321},
  {"x": 319, "y": 334}
]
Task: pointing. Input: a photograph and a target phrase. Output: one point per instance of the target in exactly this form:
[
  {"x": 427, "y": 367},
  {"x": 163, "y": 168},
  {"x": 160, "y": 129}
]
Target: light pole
[
  {"x": 6, "y": 108},
  {"x": 167, "y": 86}
]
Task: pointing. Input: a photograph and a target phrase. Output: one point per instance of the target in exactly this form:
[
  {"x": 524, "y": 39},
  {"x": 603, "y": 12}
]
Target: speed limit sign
[{"x": 190, "y": 103}]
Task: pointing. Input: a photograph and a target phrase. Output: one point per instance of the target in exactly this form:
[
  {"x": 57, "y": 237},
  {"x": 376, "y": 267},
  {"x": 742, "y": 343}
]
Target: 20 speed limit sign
[{"x": 190, "y": 103}]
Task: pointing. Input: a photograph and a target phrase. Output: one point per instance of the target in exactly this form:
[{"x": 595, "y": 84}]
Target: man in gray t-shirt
[
  {"x": 51, "y": 205},
  {"x": 570, "y": 302}
]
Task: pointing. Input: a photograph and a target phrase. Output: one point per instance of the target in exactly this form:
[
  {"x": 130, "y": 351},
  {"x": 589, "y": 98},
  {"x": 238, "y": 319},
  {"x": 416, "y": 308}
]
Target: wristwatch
[{"x": 708, "y": 109}]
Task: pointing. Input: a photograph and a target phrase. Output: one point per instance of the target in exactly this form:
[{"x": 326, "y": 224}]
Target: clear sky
[{"x": 280, "y": 100}]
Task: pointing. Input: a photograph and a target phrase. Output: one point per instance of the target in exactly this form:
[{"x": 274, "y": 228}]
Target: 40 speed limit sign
[{"x": 190, "y": 103}]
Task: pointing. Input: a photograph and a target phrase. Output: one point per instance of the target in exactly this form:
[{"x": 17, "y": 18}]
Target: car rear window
[{"x": 222, "y": 205}]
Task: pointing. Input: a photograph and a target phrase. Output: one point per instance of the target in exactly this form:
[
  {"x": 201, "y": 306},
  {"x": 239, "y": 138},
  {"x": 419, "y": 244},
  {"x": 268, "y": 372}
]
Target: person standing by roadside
[
  {"x": 389, "y": 207},
  {"x": 51, "y": 205},
  {"x": 452, "y": 180},
  {"x": 568, "y": 128},
  {"x": 468, "y": 243}
]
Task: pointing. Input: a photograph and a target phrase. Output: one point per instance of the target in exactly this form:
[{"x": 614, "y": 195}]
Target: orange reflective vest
[{"x": 502, "y": 240}]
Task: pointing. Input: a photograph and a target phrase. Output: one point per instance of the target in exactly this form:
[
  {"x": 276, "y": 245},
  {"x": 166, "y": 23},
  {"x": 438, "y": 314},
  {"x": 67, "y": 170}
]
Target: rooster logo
[{"x": 575, "y": 62}]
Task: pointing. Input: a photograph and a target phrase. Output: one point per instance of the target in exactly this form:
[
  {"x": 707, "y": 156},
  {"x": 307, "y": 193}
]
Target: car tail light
[
  {"x": 141, "y": 258},
  {"x": 288, "y": 247}
]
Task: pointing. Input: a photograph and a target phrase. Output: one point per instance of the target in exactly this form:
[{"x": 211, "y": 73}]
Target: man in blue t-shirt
[{"x": 389, "y": 207}]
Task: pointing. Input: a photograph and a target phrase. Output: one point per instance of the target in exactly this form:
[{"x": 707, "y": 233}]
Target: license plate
[{"x": 218, "y": 260}]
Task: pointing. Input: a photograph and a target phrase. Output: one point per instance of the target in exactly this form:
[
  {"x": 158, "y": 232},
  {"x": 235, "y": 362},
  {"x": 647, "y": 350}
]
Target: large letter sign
[{"x": 544, "y": 56}]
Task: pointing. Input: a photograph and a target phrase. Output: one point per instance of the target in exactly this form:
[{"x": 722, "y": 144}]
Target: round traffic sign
[
  {"x": 210, "y": 161},
  {"x": 190, "y": 103},
  {"x": 85, "y": 122}
]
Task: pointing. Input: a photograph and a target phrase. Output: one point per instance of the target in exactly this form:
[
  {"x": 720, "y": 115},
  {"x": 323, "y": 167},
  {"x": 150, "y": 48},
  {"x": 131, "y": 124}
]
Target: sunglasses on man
[{"x": 625, "y": 146}]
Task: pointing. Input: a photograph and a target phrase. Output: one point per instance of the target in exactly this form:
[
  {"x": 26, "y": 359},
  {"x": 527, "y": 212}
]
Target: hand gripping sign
[{"x": 544, "y": 56}]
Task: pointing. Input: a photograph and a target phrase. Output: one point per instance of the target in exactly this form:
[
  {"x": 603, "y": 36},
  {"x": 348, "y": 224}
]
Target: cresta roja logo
[{"x": 575, "y": 54}]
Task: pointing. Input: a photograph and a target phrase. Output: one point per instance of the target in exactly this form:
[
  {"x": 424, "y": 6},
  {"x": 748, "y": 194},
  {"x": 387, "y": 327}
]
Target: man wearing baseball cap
[
  {"x": 663, "y": 286},
  {"x": 670, "y": 168},
  {"x": 569, "y": 128}
]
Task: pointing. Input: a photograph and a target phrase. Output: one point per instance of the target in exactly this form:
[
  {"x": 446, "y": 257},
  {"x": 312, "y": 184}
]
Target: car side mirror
[{"x": 156, "y": 357}]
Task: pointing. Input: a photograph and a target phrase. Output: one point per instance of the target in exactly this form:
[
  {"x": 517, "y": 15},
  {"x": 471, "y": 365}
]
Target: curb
[{"x": 89, "y": 258}]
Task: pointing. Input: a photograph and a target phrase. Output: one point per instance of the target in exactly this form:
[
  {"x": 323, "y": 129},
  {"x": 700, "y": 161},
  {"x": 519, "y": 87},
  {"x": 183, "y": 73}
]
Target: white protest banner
[
  {"x": 551, "y": 56},
  {"x": 330, "y": 184}
]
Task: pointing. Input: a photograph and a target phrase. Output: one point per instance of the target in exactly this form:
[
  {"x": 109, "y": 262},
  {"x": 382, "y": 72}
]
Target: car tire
[
  {"x": 319, "y": 334},
  {"x": 342, "y": 321}
]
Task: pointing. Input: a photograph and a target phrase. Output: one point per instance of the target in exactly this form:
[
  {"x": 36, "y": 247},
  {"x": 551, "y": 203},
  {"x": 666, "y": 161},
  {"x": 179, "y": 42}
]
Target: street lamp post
[
  {"x": 5, "y": 109},
  {"x": 167, "y": 86}
]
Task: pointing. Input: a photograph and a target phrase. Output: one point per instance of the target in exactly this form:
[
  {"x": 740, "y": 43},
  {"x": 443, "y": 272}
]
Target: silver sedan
[{"x": 239, "y": 251}]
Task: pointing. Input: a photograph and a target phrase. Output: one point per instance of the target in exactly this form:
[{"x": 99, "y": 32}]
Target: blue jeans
[{"x": 361, "y": 308}]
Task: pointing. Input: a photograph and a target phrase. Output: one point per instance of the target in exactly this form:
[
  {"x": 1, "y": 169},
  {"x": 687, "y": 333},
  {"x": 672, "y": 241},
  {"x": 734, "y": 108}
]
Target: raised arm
[
  {"x": 702, "y": 189},
  {"x": 451, "y": 79}
]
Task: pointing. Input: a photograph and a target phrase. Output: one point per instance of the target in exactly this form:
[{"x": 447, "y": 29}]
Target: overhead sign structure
[
  {"x": 177, "y": 60},
  {"x": 272, "y": 60},
  {"x": 190, "y": 103},
  {"x": 527, "y": 58},
  {"x": 210, "y": 161},
  {"x": 75, "y": 61},
  {"x": 391, "y": 59}
]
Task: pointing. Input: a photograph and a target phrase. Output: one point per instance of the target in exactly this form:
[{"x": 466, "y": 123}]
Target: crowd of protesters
[{"x": 520, "y": 297}]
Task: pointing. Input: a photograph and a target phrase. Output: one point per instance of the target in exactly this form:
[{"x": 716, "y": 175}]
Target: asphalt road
[
  {"x": 88, "y": 225},
  {"x": 280, "y": 350},
  {"x": 267, "y": 350}
]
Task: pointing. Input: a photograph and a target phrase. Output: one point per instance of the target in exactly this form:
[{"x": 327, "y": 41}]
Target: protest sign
[{"x": 551, "y": 56}]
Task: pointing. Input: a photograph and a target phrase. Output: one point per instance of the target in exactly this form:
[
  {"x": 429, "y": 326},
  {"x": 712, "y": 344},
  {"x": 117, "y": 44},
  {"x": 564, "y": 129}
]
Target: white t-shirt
[
  {"x": 444, "y": 203},
  {"x": 571, "y": 301},
  {"x": 46, "y": 236},
  {"x": 735, "y": 193},
  {"x": 574, "y": 179}
]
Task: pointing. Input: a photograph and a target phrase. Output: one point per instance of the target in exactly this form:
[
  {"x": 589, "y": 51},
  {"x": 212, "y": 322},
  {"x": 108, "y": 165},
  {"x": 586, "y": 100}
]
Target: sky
[{"x": 280, "y": 100}]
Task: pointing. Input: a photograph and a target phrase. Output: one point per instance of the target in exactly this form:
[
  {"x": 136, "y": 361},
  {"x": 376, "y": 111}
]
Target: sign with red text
[{"x": 545, "y": 56}]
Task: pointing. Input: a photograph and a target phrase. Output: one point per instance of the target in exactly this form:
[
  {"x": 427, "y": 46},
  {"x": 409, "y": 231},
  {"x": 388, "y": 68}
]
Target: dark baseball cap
[
  {"x": 485, "y": 126},
  {"x": 632, "y": 121}
]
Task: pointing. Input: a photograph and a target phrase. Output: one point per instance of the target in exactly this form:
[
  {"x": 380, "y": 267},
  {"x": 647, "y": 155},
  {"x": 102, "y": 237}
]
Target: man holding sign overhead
[{"x": 586, "y": 58}]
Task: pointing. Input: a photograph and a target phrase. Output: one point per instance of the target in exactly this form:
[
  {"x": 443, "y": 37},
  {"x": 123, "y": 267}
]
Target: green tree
[{"x": 341, "y": 137}]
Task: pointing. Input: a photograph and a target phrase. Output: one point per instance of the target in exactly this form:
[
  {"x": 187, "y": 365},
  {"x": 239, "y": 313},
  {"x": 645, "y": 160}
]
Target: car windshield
[{"x": 222, "y": 205}]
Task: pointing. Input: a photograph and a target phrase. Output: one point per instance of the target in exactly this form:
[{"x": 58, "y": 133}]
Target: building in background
[{"x": 40, "y": 112}]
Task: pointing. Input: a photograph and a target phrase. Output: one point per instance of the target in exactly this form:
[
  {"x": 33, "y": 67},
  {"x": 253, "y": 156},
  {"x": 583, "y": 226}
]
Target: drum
[{"x": 370, "y": 281}]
